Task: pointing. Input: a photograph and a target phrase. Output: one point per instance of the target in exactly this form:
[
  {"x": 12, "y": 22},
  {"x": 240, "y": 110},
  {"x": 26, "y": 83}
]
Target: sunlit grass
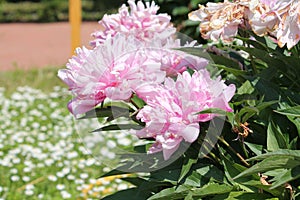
[{"x": 41, "y": 78}]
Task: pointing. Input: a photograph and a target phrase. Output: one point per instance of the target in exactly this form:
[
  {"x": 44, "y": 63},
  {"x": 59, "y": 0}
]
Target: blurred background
[{"x": 41, "y": 27}]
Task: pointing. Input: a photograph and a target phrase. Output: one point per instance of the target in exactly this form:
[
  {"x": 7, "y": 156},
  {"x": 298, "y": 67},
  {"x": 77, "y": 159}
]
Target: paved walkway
[{"x": 34, "y": 45}]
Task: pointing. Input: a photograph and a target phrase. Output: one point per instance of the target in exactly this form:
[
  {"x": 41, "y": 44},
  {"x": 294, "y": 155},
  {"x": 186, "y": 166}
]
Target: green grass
[{"x": 41, "y": 78}]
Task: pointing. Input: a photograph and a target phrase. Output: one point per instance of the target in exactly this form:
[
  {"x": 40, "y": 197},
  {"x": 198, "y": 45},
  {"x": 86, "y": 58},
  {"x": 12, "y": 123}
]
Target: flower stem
[{"x": 234, "y": 151}]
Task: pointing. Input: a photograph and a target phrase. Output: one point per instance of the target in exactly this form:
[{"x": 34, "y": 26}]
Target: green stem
[
  {"x": 234, "y": 151},
  {"x": 244, "y": 149},
  {"x": 212, "y": 155}
]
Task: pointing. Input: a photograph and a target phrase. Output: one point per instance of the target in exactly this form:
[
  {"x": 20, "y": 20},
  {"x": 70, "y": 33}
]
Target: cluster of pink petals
[
  {"x": 142, "y": 21},
  {"x": 277, "y": 18},
  {"x": 175, "y": 61},
  {"x": 116, "y": 67},
  {"x": 111, "y": 70},
  {"x": 170, "y": 113}
]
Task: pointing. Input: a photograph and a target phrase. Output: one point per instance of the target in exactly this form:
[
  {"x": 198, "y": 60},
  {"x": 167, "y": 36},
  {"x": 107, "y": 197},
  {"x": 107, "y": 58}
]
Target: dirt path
[{"x": 33, "y": 45}]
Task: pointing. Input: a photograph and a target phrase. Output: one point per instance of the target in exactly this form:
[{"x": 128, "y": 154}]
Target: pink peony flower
[
  {"x": 142, "y": 22},
  {"x": 173, "y": 61},
  {"x": 111, "y": 70},
  {"x": 170, "y": 113}
]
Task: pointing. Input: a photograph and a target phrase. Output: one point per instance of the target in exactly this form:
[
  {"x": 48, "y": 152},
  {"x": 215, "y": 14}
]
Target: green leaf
[
  {"x": 257, "y": 44},
  {"x": 211, "y": 189},
  {"x": 296, "y": 121},
  {"x": 265, "y": 104},
  {"x": 257, "y": 184},
  {"x": 295, "y": 154},
  {"x": 246, "y": 88},
  {"x": 111, "y": 111},
  {"x": 212, "y": 111},
  {"x": 291, "y": 174},
  {"x": 256, "y": 148},
  {"x": 187, "y": 164},
  {"x": 211, "y": 172},
  {"x": 182, "y": 10},
  {"x": 245, "y": 113},
  {"x": 233, "y": 169},
  {"x": 275, "y": 139},
  {"x": 243, "y": 196},
  {"x": 292, "y": 111},
  {"x": 270, "y": 90},
  {"x": 204, "y": 174},
  {"x": 235, "y": 72},
  {"x": 114, "y": 127},
  {"x": 171, "y": 193},
  {"x": 182, "y": 191},
  {"x": 139, "y": 103},
  {"x": 132, "y": 194},
  {"x": 270, "y": 163},
  {"x": 194, "y": 3},
  {"x": 135, "y": 180},
  {"x": 195, "y": 51},
  {"x": 113, "y": 173},
  {"x": 224, "y": 61}
]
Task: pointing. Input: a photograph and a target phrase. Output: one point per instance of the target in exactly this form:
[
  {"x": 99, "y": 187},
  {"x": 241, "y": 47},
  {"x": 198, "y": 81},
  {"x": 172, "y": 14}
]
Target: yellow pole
[{"x": 75, "y": 21}]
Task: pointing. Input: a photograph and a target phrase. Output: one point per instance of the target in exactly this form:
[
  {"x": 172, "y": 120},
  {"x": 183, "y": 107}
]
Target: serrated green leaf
[{"x": 292, "y": 111}]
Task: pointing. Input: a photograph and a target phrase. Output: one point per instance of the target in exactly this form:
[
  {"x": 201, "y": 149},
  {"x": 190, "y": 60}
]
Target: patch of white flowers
[{"x": 41, "y": 154}]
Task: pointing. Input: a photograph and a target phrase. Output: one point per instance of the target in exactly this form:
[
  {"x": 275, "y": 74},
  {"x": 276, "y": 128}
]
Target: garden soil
[{"x": 36, "y": 45}]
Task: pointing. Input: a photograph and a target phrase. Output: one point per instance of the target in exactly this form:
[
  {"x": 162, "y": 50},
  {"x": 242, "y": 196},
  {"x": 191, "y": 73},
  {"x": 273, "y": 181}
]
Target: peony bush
[{"x": 214, "y": 121}]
